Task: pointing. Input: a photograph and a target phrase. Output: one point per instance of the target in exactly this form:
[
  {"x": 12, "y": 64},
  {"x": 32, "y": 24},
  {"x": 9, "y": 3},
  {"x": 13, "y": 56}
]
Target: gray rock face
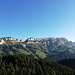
[
  {"x": 2, "y": 41},
  {"x": 51, "y": 42},
  {"x": 11, "y": 39}
]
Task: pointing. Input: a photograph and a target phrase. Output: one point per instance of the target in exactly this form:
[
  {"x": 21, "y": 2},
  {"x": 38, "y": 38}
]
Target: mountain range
[{"x": 39, "y": 48}]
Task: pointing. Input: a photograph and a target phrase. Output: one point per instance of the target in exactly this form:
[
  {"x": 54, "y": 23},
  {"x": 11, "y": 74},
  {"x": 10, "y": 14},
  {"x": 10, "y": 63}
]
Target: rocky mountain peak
[
  {"x": 38, "y": 47},
  {"x": 11, "y": 39}
]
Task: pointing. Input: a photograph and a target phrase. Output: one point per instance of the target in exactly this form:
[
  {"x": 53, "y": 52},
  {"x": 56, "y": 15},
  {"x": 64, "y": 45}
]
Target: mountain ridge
[{"x": 50, "y": 48}]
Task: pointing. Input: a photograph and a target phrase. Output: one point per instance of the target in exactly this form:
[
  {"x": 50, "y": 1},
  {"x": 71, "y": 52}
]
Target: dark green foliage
[
  {"x": 23, "y": 65},
  {"x": 68, "y": 62}
]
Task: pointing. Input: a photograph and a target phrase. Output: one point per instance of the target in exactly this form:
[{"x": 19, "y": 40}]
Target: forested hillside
[
  {"x": 23, "y": 65},
  {"x": 68, "y": 62}
]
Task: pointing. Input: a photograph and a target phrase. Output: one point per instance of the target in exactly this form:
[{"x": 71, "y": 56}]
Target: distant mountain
[{"x": 50, "y": 48}]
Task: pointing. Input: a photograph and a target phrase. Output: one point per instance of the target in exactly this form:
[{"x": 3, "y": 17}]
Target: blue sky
[{"x": 37, "y": 18}]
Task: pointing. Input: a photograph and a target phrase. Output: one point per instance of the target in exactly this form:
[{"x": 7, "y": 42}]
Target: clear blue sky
[{"x": 37, "y": 18}]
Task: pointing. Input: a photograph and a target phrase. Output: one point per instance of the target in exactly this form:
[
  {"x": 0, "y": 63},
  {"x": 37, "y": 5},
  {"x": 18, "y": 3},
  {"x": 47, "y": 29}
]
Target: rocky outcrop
[
  {"x": 12, "y": 39},
  {"x": 2, "y": 41}
]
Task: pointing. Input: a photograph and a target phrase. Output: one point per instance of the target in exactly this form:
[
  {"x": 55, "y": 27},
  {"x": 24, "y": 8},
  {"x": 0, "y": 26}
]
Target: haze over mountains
[{"x": 50, "y": 48}]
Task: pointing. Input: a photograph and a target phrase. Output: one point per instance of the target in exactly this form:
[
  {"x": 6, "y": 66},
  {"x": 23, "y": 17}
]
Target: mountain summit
[{"x": 50, "y": 48}]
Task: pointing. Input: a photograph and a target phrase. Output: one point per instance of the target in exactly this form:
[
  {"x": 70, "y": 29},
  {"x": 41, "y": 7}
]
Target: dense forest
[
  {"x": 68, "y": 62},
  {"x": 24, "y": 65}
]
